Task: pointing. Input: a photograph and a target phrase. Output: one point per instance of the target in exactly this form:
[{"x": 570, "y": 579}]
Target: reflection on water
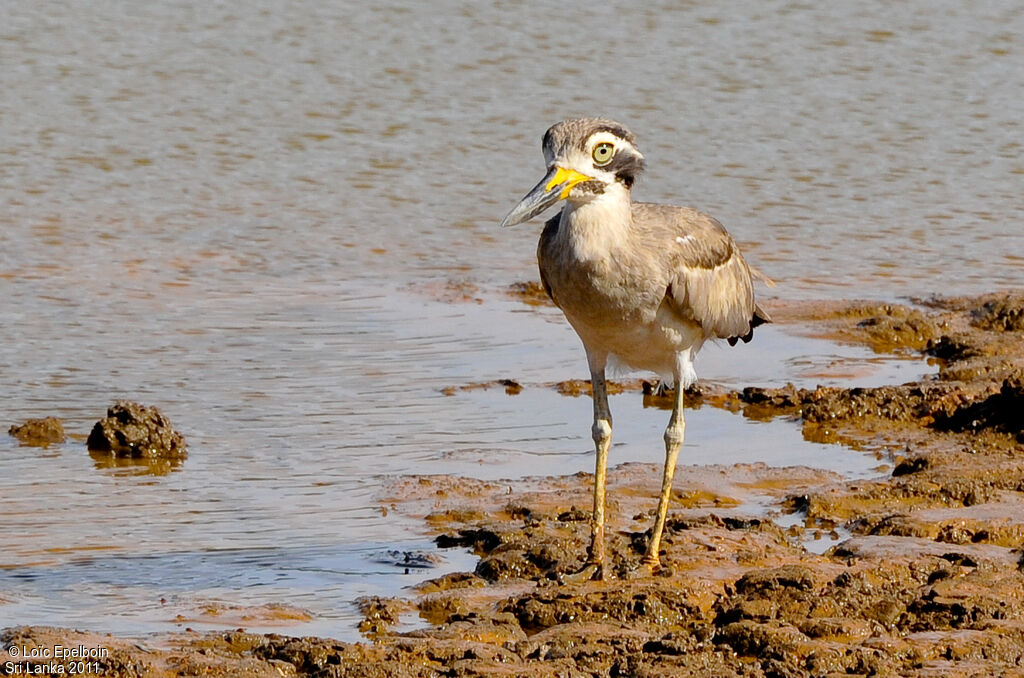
[
  {"x": 155, "y": 466},
  {"x": 243, "y": 216}
]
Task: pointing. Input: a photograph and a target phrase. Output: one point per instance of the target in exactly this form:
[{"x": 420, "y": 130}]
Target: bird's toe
[
  {"x": 589, "y": 572},
  {"x": 648, "y": 567}
]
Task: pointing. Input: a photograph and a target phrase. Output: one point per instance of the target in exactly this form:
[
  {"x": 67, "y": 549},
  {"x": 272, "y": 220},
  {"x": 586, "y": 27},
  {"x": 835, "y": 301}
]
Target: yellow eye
[{"x": 603, "y": 153}]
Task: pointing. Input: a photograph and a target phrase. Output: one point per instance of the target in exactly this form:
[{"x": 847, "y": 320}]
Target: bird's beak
[{"x": 552, "y": 188}]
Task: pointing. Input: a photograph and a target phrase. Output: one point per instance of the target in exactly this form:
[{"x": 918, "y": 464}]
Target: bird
[{"x": 644, "y": 285}]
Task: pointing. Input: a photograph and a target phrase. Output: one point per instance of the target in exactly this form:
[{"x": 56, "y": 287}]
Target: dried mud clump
[
  {"x": 136, "y": 431},
  {"x": 890, "y": 328},
  {"x": 380, "y": 614},
  {"x": 980, "y": 356},
  {"x": 538, "y": 549},
  {"x": 885, "y": 328},
  {"x": 908, "y": 403},
  {"x": 640, "y": 603},
  {"x": 1002, "y": 411},
  {"x": 952, "y": 349},
  {"x": 1001, "y": 315},
  {"x": 894, "y": 615},
  {"x": 39, "y": 432},
  {"x": 886, "y": 402}
]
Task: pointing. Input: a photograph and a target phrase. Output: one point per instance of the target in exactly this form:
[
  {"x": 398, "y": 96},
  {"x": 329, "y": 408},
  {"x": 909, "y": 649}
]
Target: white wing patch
[{"x": 682, "y": 240}]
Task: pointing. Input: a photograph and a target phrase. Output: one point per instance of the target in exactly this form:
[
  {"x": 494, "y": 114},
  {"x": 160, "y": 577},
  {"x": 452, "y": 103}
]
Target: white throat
[{"x": 599, "y": 225}]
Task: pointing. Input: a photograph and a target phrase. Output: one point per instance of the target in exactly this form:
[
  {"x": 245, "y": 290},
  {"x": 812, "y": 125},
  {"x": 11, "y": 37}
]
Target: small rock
[
  {"x": 408, "y": 559},
  {"x": 134, "y": 430},
  {"x": 39, "y": 432},
  {"x": 379, "y": 614}
]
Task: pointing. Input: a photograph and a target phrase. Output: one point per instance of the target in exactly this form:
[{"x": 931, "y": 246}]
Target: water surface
[{"x": 279, "y": 224}]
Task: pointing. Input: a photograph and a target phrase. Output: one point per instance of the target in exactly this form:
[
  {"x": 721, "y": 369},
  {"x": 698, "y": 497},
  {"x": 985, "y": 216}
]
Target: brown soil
[{"x": 928, "y": 582}]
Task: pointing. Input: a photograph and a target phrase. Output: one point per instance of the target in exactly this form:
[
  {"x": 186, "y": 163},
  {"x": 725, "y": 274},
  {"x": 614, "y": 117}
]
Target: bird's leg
[
  {"x": 602, "y": 433},
  {"x": 673, "y": 442}
]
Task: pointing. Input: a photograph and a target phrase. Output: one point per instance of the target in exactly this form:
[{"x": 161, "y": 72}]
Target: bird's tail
[
  {"x": 760, "y": 317},
  {"x": 759, "y": 275}
]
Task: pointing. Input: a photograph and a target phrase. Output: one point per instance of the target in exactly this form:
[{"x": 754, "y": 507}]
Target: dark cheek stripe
[{"x": 625, "y": 163}]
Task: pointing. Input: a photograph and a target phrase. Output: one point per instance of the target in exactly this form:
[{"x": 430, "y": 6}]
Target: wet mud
[
  {"x": 918, "y": 571},
  {"x": 531, "y": 292}
]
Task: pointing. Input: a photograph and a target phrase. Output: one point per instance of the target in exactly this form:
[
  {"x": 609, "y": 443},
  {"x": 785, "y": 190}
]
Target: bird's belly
[
  {"x": 619, "y": 310},
  {"x": 639, "y": 339}
]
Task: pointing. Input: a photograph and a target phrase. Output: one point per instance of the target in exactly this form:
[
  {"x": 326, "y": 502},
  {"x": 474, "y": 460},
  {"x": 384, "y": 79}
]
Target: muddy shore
[{"x": 916, "y": 572}]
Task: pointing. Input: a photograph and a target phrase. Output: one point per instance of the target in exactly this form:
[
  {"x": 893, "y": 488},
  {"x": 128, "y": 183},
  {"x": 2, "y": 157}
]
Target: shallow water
[{"x": 280, "y": 226}]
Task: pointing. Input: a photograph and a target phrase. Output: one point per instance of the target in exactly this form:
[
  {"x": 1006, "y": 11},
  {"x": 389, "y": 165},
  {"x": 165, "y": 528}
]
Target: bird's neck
[{"x": 600, "y": 225}]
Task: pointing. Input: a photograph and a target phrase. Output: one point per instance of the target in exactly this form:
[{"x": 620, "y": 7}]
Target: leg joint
[
  {"x": 674, "y": 433},
  {"x": 602, "y": 430}
]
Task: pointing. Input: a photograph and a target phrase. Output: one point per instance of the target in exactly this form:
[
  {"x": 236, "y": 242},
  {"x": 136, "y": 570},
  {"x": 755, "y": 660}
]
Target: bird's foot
[
  {"x": 591, "y": 571},
  {"x": 648, "y": 567}
]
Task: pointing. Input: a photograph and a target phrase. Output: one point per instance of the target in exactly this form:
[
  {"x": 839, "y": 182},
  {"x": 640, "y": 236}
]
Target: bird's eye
[{"x": 603, "y": 153}]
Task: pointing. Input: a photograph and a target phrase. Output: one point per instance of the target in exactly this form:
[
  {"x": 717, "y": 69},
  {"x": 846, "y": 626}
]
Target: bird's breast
[{"x": 601, "y": 285}]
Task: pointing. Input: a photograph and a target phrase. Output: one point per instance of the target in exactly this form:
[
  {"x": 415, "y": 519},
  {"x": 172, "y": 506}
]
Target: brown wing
[{"x": 711, "y": 283}]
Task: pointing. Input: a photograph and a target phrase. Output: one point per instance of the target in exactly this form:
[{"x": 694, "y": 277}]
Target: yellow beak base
[{"x": 568, "y": 177}]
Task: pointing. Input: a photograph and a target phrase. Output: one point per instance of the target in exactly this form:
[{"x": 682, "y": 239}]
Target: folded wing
[{"x": 710, "y": 283}]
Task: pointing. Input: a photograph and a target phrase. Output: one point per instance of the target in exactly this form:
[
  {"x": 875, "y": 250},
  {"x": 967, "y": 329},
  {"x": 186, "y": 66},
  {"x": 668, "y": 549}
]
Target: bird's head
[{"x": 586, "y": 158}]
